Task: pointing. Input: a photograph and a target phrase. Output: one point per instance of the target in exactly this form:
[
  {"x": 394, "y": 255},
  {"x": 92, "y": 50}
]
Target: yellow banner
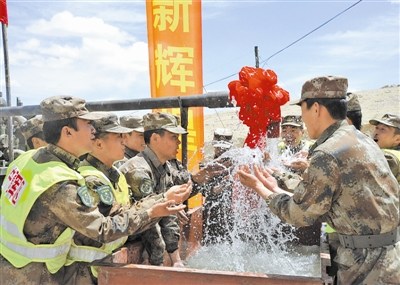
[{"x": 175, "y": 58}]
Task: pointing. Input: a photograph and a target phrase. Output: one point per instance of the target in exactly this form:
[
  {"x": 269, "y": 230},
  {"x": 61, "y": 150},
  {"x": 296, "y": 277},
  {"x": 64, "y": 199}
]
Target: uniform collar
[
  {"x": 110, "y": 173},
  {"x": 161, "y": 168},
  {"x": 66, "y": 157},
  {"x": 326, "y": 134},
  {"x": 129, "y": 153}
]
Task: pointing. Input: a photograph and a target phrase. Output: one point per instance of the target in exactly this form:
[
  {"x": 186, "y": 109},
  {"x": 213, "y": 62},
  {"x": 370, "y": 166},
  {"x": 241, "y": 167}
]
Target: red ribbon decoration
[{"x": 260, "y": 100}]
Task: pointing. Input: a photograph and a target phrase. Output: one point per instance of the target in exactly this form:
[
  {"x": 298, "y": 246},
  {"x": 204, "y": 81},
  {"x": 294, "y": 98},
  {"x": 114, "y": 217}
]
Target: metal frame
[{"x": 218, "y": 99}]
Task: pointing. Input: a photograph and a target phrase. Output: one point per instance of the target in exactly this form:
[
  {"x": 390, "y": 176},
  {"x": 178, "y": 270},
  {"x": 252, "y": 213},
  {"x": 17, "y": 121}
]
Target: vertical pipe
[
  {"x": 256, "y": 55},
  {"x": 184, "y": 124},
  {"x": 8, "y": 93}
]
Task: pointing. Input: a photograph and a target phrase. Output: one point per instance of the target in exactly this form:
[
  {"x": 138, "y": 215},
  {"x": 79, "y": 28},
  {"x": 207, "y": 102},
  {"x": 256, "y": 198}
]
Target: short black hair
[
  {"x": 337, "y": 107},
  {"x": 147, "y": 134},
  {"x": 52, "y": 129},
  {"x": 29, "y": 142},
  {"x": 356, "y": 118}
]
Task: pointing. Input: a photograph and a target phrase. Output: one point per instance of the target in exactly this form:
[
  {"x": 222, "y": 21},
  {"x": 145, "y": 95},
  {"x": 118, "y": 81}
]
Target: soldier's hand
[
  {"x": 299, "y": 164},
  {"x": 179, "y": 193},
  {"x": 248, "y": 179},
  {"x": 182, "y": 217},
  {"x": 165, "y": 209},
  {"x": 218, "y": 167}
]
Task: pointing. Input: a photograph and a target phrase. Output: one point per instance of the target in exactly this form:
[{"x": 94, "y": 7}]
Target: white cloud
[
  {"x": 65, "y": 24},
  {"x": 373, "y": 42},
  {"x": 79, "y": 56}
]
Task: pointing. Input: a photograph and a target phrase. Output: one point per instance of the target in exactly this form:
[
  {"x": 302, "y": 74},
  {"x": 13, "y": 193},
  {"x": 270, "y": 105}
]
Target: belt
[{"x": 370, "y": 241}]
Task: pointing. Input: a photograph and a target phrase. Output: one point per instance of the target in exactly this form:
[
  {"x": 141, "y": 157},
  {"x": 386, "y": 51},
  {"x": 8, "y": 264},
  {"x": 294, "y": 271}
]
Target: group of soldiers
[
  {"x": 346, "y": 182},
  {"x": 75, "y": 206},
  {"x": 93, "y": 182}
]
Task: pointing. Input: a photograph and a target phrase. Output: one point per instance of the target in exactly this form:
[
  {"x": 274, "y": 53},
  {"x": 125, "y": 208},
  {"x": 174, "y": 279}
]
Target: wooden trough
[{"x": 126, "y": 269}]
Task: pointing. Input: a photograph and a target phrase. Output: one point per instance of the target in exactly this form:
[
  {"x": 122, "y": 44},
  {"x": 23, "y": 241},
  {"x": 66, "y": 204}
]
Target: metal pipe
[
  {"x": 8, "y": 92},
  {"x": 211, "y": 100}
]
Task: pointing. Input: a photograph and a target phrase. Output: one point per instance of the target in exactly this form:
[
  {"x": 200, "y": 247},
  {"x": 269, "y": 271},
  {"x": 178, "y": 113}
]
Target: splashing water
[{"x": 253, "y": 239}]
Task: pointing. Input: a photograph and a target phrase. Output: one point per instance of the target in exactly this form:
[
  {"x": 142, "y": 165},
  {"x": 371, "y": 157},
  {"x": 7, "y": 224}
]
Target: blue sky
[{"x": 97, "y": 50}]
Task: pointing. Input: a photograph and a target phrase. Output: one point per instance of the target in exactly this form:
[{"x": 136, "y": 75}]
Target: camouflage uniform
[
  {"x": 393, "y": 158},
  {"x": 60, "y": 207},
  {"x": 146, "y": 175},
  {"x": 348, "y": 185},
  {"x": 217, "y": 208}
]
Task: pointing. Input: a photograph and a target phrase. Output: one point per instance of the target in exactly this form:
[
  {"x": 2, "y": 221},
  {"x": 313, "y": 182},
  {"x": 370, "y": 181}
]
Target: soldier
[
  {"x": 292, "y": 135},
  {"x": 348, "y": 185},
  {"x": 45, "y": 201},
  {"x": 294, "y": 147},
  {"x": 148, "y": 173},
  {"x": 108, "y": 186},
  {"x": 32, "y": 130},
  {"x": 222, "y": 141},
  {"x": 387, "y": 136},
  {"x": 133, "y": 141},
  {"x": 353, "y": 115},
  {"x": 217, "y": 208}
]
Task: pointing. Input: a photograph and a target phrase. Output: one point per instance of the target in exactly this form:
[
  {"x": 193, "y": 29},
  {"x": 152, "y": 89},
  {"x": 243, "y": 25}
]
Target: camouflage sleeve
[
  {"x": 313, "y": 196},
  {"x": 286, "y": 180},
  {"x": 394, "y": 165},
  {"x": 67, "y": 206},
  {"x": 170, "y": 232},
  {"x": 140, "y": 182}
]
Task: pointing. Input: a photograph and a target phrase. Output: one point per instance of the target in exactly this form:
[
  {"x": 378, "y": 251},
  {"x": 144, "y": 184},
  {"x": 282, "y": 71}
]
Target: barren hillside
[{"x": 374, "y": 104}]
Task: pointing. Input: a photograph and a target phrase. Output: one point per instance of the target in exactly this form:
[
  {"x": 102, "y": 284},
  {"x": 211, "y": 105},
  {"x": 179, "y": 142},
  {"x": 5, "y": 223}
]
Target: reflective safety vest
[
  {"x": 89, "y": 253},
  {"x": 25, "y": 181}
]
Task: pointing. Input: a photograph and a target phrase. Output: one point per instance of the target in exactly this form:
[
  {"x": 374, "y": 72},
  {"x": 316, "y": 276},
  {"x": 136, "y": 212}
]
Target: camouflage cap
[
  {"x": 63, "y": 107},
  {"x": 108, "y": 123},
  {"x": 352, "y": 102},
  {"x": 31, "y": 127},
  {"x": 222, "y": 138},
  {"x": 133, "y": 122},
  {"x": 388, "y": 120},
  {"x": 3, "y": 141},
  {"x": 292, "y": 120},
  {"x": 330, "y": 87},
  {"x": 164, "y": 121}
]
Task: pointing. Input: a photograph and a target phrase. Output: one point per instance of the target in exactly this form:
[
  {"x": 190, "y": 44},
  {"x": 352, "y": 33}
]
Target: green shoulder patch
[
  {"x": 86, "y": 199},
  {"x": 105, "y": 194},
  {"x": 146, "y": 187}
]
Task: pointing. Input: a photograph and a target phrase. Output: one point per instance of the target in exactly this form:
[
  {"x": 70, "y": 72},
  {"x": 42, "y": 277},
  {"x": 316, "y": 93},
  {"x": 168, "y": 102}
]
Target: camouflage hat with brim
[
  {"x": 31, "y": 127},
  {"x": 108, "y": 123},
  {"x": 388, "y": 120},
  {"x": 292, "y": 120},
  {"x": 222, "y": 144},
  {"x": 133, "y": 122},
  {"x": 324, "y": 87},
  {"x": 63, "y": 107},
  {"x": 3, "y": 141},
  {"x": 352, "y": 102},
  {"x": 222, "y": 138},
  {"x": 162, "y": 121}
]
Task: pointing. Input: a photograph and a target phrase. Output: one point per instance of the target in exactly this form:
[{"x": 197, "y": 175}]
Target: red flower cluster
[{"x": 259, "y": 99}]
